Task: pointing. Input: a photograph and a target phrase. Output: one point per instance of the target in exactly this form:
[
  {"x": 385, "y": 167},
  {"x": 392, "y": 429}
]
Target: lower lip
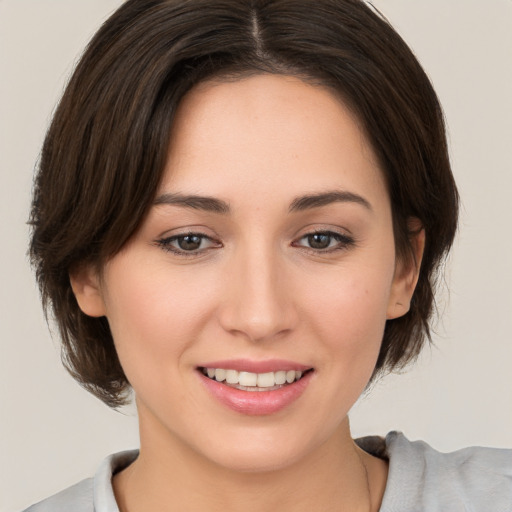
[{"x": 256, "y": 403}]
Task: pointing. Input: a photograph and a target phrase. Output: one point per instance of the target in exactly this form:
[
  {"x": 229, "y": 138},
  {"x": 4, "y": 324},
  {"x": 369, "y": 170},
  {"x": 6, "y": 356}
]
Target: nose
[{"x": 259, "y": 305}]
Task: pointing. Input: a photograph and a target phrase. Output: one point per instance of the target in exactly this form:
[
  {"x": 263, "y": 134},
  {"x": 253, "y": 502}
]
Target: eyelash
[
  {"x": 166, "y": 244},
  {"x": 343, "y": 242}
]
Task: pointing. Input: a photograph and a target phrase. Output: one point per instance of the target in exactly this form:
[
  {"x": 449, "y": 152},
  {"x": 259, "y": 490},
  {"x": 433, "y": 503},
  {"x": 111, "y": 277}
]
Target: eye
[
  {"x": 188, "y": 244},
  {"x": 325, "y": 241}
]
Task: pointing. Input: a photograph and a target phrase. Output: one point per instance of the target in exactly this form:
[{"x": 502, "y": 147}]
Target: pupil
[
  {"x": 189, "y": 242},
  {"x": 319, "y": 241}
]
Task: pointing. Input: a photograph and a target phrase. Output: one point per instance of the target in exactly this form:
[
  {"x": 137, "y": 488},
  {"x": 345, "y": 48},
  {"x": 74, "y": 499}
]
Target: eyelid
[
  {"x": 165, "y": 243},
  {"x": 345, "y": 241}
]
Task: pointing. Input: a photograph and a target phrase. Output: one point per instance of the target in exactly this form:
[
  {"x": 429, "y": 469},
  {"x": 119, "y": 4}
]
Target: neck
[{"x": 169, "y": 475}]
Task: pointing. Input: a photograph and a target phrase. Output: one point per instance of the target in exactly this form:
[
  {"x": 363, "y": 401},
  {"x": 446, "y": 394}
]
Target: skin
[{"x": 255, "y": 289}]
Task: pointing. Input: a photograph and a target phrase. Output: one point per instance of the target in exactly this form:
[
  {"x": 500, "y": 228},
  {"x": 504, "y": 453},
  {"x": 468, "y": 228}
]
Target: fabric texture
[{"x": 420, "y": 479}]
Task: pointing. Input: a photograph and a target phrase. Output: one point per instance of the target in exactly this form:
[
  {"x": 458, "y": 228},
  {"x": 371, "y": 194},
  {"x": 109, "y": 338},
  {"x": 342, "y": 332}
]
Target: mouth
[
  {"x": 254, "y": 382},
  {"x": 255, "y": 388}
]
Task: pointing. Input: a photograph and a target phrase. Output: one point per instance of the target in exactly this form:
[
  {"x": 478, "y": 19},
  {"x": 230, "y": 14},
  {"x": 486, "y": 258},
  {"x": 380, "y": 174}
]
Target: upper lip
[{"x": 252, "y": 366}]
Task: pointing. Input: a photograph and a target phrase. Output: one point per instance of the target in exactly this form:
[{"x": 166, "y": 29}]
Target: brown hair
[{"x": 105, "y": 150}]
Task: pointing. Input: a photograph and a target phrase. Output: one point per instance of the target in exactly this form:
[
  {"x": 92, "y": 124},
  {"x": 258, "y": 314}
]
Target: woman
[{"x": 239, "y": 213}]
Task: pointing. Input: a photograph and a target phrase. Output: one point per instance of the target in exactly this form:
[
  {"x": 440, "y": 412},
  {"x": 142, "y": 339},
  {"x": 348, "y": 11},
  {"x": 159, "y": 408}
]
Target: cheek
[
  {"x": 154, "y": 315},
  {"x": 343, "y": 312},
  {"x": 349, "y": 310}
]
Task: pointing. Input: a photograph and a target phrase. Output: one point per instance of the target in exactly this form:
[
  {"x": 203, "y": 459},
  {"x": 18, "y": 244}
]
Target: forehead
[{"x": 268, "y": 133}]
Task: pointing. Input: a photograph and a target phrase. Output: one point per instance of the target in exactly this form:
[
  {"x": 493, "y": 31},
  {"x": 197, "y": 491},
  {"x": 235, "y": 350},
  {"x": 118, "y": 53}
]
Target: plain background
[{"x": 53, "y": 434}]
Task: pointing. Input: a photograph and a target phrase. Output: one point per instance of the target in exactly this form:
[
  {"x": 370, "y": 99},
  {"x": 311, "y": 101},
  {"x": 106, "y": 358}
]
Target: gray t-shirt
[{"x": 420, "y": 479}]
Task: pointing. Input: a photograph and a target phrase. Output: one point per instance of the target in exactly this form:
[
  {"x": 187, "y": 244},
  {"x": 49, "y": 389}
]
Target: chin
[
  {"x": 261, "y": 450},
  {"x": 255, "y": 460}
]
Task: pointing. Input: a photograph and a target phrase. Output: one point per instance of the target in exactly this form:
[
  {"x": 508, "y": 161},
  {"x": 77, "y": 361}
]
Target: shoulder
[
  {"x": 420, "y": 478},
  {"x": 90, "y": 495},
  {"x": 77, "y": 498}
]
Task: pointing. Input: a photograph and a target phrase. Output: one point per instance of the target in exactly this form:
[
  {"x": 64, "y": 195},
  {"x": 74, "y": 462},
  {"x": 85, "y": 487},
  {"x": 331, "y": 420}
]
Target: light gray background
[{"x": 52, "y": 433}]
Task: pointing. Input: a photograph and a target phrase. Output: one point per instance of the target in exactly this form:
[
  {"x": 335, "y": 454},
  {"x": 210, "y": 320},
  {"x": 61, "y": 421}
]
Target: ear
[
  {"x": 407, "y": 273},
  {"x": 86, "y": 284}
]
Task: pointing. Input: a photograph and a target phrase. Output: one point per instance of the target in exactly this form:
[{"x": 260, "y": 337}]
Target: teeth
[
  {"x": 220, "y": 375},
  {"x": 248, "y": 379},
  {"x": 232, "y": 376},
  {"x": 280, "y": 377},
  {"x": 266, "y": 380}
]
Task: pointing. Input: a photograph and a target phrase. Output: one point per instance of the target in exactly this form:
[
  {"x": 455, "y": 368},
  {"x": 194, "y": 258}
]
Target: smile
[
  {"x": 253, "y": 387},
  {"x": 248, "y": 381}
]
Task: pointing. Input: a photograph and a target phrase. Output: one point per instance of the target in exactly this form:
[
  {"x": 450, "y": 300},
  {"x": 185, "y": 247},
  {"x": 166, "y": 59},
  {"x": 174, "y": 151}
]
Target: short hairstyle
[{"x": 107, "y": 146}]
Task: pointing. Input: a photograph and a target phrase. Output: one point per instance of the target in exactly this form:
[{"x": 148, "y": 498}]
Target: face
[{"x": 268, "y": 255}]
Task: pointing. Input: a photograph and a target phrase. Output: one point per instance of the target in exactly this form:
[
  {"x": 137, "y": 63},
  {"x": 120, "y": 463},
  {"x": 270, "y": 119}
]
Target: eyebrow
[
  {"x": 306, "y": 202},
  {"x": 325, "y": 198},
  {"x": 209, "y": 204}
]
